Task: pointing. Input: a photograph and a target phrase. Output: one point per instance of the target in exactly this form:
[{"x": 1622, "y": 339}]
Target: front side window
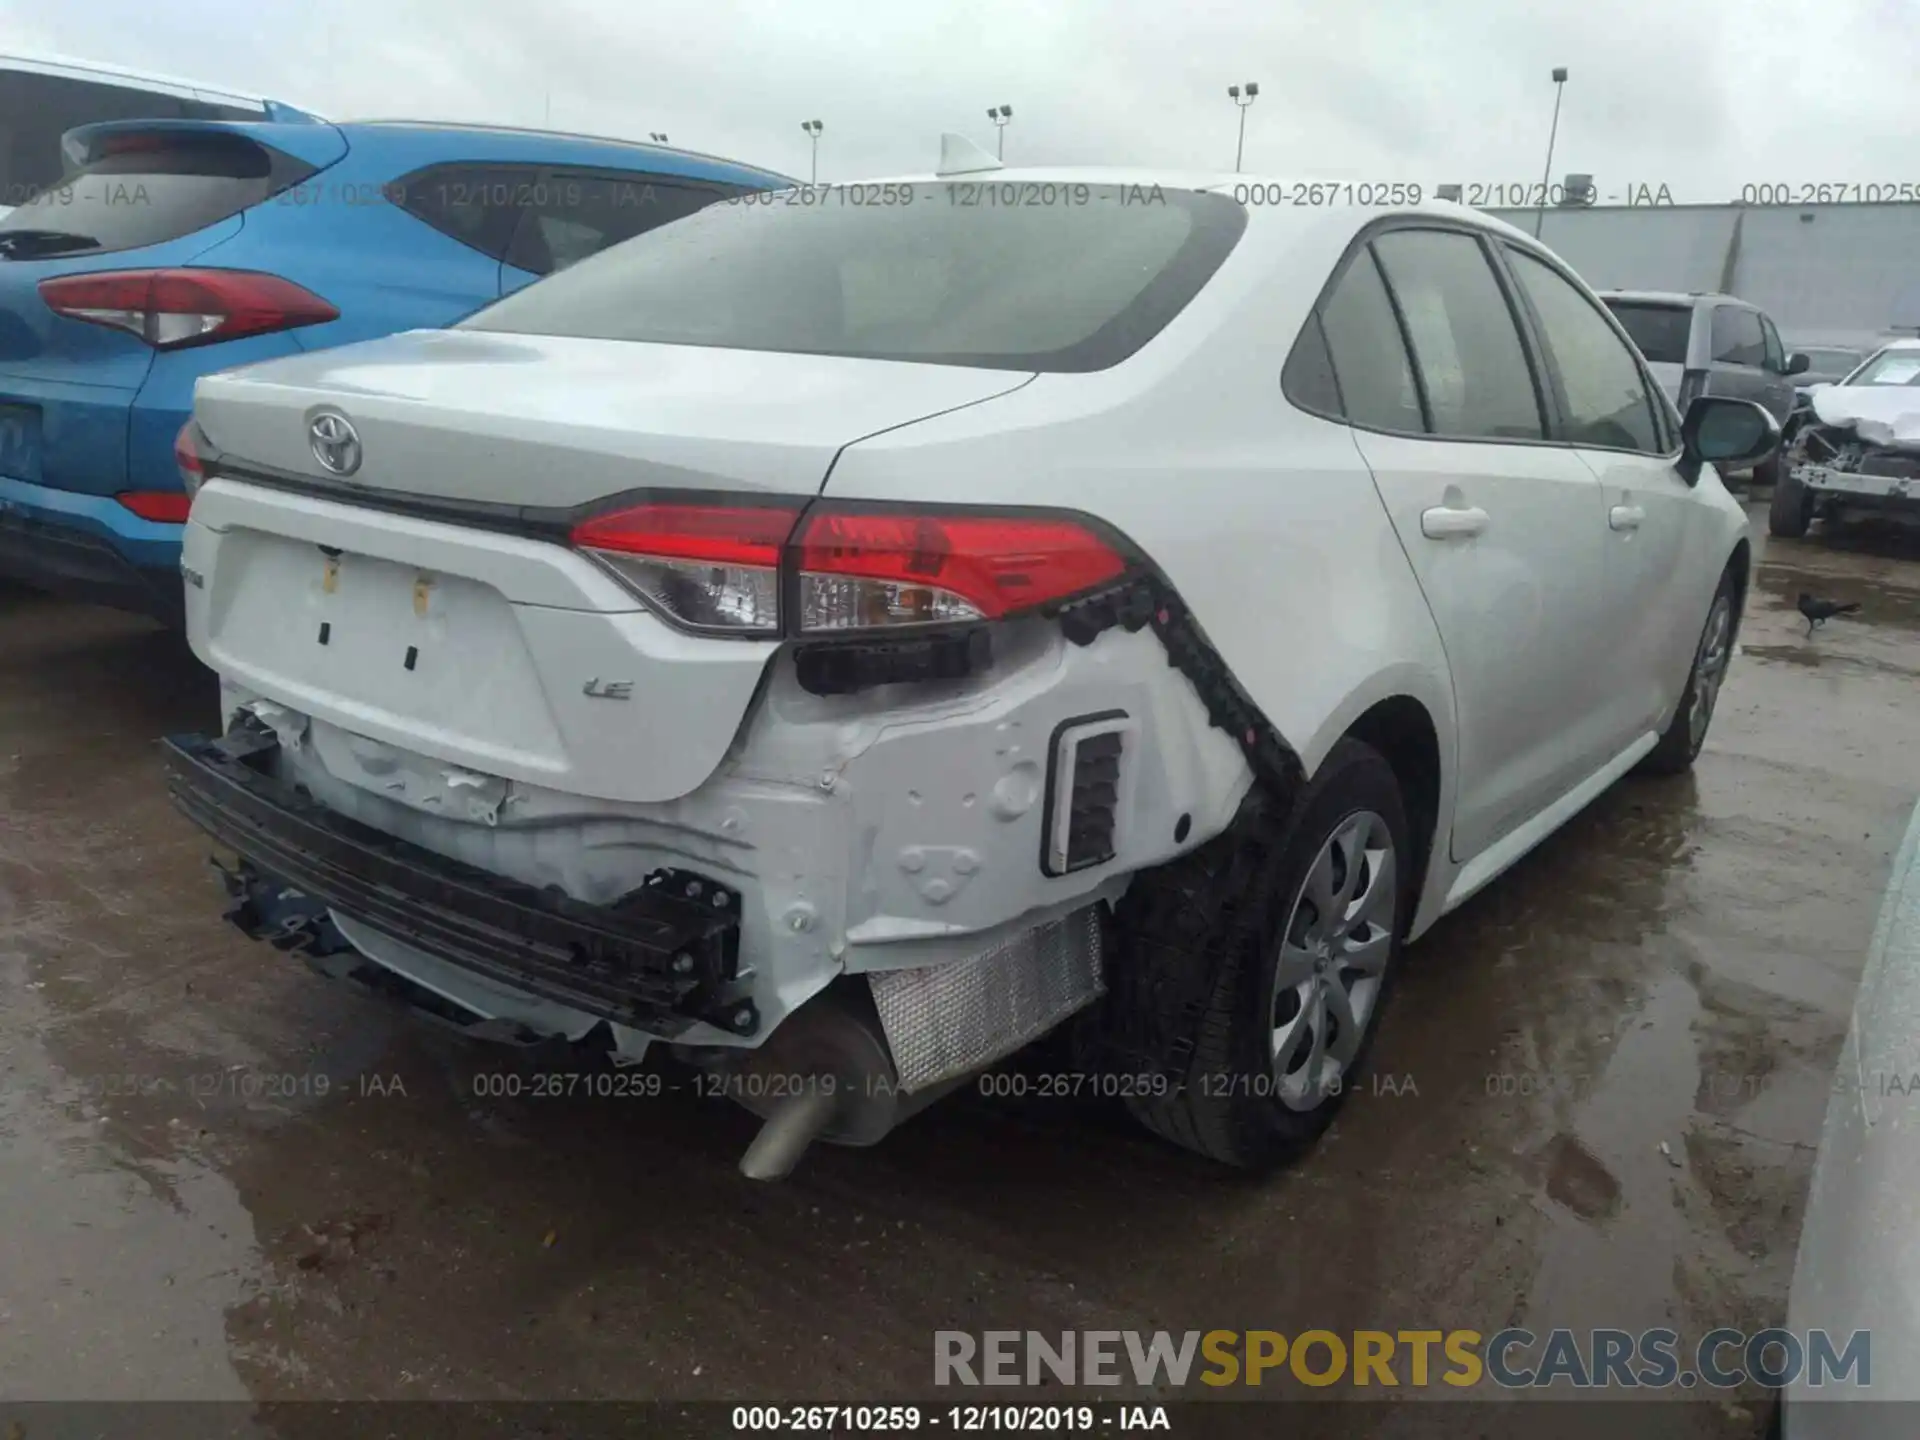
[
  {"x": 1369, "y": 354},
  {"x": 1605, "y": 391},
  {"x": 1472, "y": 365},
  {"x": 1737, "y": 337},
  {"x": 1776, "y": 357},
  {"x": 974, "y": 274}
]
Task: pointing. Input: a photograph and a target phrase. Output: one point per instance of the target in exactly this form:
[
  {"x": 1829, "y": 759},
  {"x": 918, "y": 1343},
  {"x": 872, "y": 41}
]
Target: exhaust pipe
[
  {"x": 794, "y": 1124},
  {"x": 825, "y": 1074}
]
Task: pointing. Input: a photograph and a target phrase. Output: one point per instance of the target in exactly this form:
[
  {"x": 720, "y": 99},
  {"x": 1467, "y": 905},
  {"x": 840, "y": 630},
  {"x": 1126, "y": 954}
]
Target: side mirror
[
  {"x": 1799, "y": 362},
  {"x": 1722, "y": 431}
]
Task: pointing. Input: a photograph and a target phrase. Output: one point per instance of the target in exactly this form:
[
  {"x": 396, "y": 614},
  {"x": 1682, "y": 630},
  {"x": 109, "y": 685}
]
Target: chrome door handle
[
  {"x": 1445, "y": 522},
  {"x": 1626, "y": 517}
]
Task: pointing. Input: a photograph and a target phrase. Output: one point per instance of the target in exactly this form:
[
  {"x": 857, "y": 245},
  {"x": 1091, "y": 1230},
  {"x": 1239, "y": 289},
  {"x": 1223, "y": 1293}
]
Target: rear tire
[
  {"x": 1273, "y": 948},
  {"x": 1680, "y": 745},
  {"x": 1791, "y": 510}
]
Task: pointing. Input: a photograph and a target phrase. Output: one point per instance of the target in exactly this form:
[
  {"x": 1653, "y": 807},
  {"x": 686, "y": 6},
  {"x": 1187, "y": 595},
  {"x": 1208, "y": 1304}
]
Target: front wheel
[
  {"x": 1687, "y": 732},
  {"x": 1791, "y": 509},
  {"x": 1286, "y": 935}
]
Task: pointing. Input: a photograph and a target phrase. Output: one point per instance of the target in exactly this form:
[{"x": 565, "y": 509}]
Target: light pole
[
  {"x": 1000, "y": 115},
  {"x": 1546, "y": 181},
  {"x": 813, "y": 129},
  {"x": 1242, "y": 97}
]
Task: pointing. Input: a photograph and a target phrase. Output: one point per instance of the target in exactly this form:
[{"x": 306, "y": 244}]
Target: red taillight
[
  {"x": 720, "y": 567},
  {"x": 167, "y": 506},
  {"x": 187, "y": 458},
  {"x": 172, "y": 309},
  {"x": 915, "y": 568},
  {"x": 713, "y": 567}
]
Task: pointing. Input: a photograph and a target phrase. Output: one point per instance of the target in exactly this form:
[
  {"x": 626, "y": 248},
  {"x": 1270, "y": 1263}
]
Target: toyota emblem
[{"x": 336, "y": 444}]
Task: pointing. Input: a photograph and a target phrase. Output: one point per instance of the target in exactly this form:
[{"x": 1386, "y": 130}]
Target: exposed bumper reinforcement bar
[{"x": 660, "y": 959}]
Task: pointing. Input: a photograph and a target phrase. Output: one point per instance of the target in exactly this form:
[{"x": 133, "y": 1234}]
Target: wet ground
[{"x": 1599, "y": 1089}]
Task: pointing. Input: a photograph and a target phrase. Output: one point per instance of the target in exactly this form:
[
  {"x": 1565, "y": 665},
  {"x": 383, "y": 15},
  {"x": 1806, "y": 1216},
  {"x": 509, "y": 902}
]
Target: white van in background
[{"x": 43, "y": 96}]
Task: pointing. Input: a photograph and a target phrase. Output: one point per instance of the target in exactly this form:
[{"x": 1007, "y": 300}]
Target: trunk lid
[
  {"x": 556, "y": 422},
  {"x": 508, "y": 654}
]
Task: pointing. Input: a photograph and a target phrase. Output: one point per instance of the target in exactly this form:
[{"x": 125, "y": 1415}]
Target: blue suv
[{"x": 180, "y": 247}]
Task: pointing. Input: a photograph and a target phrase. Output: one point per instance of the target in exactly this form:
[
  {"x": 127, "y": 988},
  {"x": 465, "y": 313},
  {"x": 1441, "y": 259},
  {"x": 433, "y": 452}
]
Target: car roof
[
  {"x": 1670, "y": 297},
  {"x": 70, "y": 68},
  {"x": 1246, "y": 187},
  {"x": 518, "y": 143}
]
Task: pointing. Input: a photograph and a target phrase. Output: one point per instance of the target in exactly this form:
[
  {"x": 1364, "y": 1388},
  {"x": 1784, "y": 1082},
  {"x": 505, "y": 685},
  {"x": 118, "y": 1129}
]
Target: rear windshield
[
  {"x": 147, "y": 189},
  {"x": 1889, "y": 367},
  {"x": 1659, "y": 330},
  {"x": 1007, "y": 275}
]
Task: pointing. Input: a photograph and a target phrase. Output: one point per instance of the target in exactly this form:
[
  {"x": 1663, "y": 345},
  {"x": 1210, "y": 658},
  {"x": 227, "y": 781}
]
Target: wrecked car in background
[{"x": 1858, "y": 452}]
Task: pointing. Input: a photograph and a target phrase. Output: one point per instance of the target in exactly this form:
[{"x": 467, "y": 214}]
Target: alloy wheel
[
  {"x": 1333, "y": 956},
  {"x": 1710, "y": 668}
]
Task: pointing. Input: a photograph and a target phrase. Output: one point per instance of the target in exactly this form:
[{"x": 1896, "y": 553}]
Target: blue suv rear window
[{"x": 145, "y": 189}]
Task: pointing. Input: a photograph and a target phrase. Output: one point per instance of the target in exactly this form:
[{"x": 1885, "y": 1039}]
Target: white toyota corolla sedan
[{"x": 844, "y": 634}]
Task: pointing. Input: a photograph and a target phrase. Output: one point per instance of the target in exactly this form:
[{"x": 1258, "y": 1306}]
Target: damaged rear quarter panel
[{"x": 1264, "y": 519}]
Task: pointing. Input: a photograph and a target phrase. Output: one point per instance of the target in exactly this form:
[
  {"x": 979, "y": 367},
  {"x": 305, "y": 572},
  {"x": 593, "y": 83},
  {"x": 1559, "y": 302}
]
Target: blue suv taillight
[{"x": 173, "y": 309}]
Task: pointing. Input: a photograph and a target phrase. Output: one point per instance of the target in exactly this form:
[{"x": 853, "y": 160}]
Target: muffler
[{"x": 825, "y": 1074}]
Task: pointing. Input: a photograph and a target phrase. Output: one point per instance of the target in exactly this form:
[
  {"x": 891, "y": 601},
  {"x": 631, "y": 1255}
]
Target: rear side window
[
  {"x": 1472, "y": 366},
  {"x": 146, "y": 189},
  {"x": 478, "y": 205},
  {"x": 1607, "y": 399},
  {"x": 36, "y": 110},
  {"x": 574, "y": 215},
  {"x": 1046, "y": 277},
  {"x": 1660, "y": 331},
  {"x": 1307, "y": 379},
  {"x": 1369, "y": 356},
  {"x": 1737, "y": 337}
]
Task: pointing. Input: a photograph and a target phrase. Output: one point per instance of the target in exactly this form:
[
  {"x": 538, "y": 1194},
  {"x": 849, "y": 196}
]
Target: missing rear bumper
[{"x": 661, "y": 959}]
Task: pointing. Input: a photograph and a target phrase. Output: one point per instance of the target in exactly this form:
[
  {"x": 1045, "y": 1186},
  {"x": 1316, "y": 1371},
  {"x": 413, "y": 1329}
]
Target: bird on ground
[{"x": 1819, "y": 611}]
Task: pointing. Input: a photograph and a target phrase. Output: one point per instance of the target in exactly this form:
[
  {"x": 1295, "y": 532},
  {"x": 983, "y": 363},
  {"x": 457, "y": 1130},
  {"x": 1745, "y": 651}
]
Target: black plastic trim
[
  {"x": 1053, "y": 776},
  {"x": 660, "y": 958}
]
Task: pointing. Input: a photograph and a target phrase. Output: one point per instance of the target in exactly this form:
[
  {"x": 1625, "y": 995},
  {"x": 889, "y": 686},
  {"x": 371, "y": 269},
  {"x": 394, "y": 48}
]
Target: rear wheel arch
[{"x": 1401, "y": 729}]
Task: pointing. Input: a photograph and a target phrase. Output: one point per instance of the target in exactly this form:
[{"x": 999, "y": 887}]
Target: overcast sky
[{"x": 1702, "y": 96}]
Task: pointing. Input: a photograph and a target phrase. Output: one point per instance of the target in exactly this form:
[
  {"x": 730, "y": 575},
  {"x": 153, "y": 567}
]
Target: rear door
[
  {"x": 570, "y": 214},
  {"x": 1505, "y": 530},
  {"x": 1644, "y": 644}
]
